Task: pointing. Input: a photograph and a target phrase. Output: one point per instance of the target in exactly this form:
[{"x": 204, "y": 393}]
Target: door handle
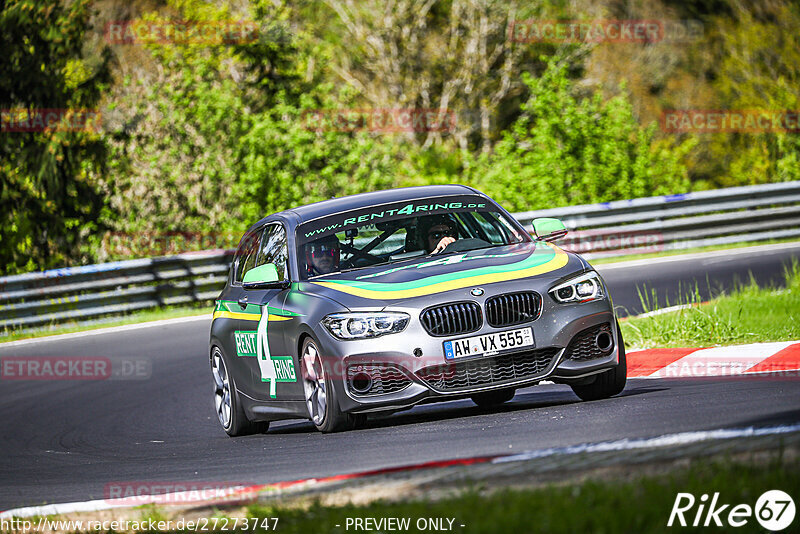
[{"x": 243, "y": 302}]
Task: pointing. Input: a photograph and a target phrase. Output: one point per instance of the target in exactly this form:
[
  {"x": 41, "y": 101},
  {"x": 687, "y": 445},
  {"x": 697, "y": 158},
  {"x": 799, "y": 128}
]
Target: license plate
[{"x": 488, "y": 344}]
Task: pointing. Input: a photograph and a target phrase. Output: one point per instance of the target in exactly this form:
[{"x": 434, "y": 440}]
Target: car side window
[
  {"x": 274, "y": 249},
  {"x": 246, "y": 254}
]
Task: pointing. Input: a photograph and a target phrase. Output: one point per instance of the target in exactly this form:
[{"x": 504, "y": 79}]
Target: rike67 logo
[{"x": 774, "y": 511}]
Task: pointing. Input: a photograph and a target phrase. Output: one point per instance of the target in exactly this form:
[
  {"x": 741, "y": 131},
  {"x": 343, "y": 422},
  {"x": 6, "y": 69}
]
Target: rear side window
[
  {"x": 246, "y": 254},
  {"x": 274, "y": 249}
]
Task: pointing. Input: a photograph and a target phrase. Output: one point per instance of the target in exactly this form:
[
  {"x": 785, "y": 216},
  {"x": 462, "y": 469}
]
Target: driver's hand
[{"x": 443, "y": 244}]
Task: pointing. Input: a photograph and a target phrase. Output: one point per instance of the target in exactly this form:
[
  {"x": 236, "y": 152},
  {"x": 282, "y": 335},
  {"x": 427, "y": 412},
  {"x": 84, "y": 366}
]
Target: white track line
[
  {"x": 662, "y": 311},
  {"x": 667, "y": 440},
  {"x": 760, "y": 249},
  {"x": 108, "y": 330},
  {"x": 231, "y": 494},
  {"x": 682, "y": 438}
]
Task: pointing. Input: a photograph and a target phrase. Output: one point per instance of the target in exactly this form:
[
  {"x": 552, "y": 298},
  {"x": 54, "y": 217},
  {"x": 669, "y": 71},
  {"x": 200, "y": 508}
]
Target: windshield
[{"x": 400, "y": 231}]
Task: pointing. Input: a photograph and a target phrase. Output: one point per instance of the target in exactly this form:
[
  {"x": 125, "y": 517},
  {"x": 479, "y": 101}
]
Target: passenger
[{"x": 322, "y": 256}]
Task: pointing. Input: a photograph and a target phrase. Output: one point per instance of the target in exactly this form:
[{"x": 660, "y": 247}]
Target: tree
[
  {"x": 216, "y": 138},
  {"x": 453, "y": 56},
  {"x": 572, "y": 149},
  {"x": 50, "y": 191},
  {"x": 757, "y": 64}
]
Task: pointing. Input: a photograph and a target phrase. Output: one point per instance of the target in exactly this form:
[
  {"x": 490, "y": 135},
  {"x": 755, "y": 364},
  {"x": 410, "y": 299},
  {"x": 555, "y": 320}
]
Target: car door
[
  {"x": 277, "y": 376},
  {"x": 235, "y": 320}
]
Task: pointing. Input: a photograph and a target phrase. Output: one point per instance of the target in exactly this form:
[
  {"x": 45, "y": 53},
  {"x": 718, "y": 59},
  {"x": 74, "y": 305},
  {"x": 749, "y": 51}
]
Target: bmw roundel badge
[{"x": 476, "y": 292}]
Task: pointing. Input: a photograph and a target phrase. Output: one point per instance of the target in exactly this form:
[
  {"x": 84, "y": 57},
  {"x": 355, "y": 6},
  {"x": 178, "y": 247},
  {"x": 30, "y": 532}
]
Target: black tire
[
  {"x": 609, "y": 383},
  {"x": 493, "y": 398},
  {"x": 321, "y": 398},
  {"x": 236, "y": 423}
]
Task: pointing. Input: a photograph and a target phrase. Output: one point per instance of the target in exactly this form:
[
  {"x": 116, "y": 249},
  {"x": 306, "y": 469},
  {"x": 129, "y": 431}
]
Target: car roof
[{"x": 313, "y": 211}]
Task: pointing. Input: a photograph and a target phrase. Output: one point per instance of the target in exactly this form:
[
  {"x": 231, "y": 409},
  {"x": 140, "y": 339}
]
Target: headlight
[
  {"x": 583, "y": 288},
  {"x": 364, "y": 325}
]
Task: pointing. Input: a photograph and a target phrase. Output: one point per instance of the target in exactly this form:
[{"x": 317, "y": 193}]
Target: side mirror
[
  {"x": 264, "y": 277},
  {"x": 547, "y": 229}
]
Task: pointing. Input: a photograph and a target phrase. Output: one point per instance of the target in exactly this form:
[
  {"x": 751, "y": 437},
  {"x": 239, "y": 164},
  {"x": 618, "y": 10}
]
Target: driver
[
  {"x": 322, "y": 256},
  {"x": 437, "y": 231}
]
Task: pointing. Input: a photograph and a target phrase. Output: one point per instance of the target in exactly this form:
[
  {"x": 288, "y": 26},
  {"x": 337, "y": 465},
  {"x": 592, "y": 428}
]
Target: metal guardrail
[
  {"x": 674, "y": 222},
  {"x": 76, "y": 294},
  {"x": 739, "y": 214}
]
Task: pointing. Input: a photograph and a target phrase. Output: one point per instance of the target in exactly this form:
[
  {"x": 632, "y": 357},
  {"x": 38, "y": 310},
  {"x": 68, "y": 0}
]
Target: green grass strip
[{"x": 748, "y": 314}]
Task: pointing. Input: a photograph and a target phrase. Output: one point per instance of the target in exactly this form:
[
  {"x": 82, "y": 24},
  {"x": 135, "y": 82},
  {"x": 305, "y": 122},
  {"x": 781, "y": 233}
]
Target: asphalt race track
[
  {"x": 66, "y": 440},
  {"x": 675, "y": 277}
]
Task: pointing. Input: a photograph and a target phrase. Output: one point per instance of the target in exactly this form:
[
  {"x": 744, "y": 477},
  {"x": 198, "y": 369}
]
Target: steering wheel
[{"x": 463, "y": 245}]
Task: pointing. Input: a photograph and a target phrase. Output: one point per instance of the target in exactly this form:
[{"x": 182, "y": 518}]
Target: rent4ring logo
[{"x": 774, "y": 510}]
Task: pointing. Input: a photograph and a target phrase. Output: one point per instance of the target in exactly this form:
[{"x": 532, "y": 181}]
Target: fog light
[{"x": 361, "y": 382}]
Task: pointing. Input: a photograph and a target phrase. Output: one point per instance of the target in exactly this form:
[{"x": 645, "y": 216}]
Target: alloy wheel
[{"x": 222, "y": 389}]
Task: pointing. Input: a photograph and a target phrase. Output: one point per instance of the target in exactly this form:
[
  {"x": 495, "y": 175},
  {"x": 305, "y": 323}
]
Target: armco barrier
[
  {"x": 82, "y": 293},
  {"x": 734, "y": 215},
  {"x": 672, "y": 222}
]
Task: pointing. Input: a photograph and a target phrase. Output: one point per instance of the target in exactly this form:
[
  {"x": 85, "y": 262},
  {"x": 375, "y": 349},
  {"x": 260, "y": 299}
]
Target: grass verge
[
  {"x": 637, "y": 504},
  {"x": 635, "y": 498},
  {"x": 749, "y": 314}
]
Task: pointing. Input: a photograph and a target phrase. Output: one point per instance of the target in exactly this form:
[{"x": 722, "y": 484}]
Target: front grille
[
  {"x": 583, "y": 347},
  {"x": 385, "y": 379},
  {"x": 452, "y": 319},
  {"x": 488, "y": 371},
  {"x": 513, "y": 308}
]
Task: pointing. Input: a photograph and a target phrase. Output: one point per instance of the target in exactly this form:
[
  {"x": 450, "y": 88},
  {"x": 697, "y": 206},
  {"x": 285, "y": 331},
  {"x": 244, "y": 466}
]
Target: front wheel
[
  {"x": 323, "y": 406},
  {"x": 608, "y": 383}
]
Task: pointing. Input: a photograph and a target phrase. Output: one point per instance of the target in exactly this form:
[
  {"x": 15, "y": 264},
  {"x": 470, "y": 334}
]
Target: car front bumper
[{"x": 418, "y": 371}]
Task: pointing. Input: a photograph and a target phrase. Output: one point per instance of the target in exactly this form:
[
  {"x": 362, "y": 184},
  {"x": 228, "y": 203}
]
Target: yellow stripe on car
[{"x": 558, "y": 261}]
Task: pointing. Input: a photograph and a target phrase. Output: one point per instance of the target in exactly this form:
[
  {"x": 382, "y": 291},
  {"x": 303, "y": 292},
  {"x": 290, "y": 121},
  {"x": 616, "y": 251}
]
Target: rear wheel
[
  {"x": 323, "y": 406},
  {"x": 226, "y": 400},
  {"x": 493, "y": 398},
  {"x": 608, "y": 383}
]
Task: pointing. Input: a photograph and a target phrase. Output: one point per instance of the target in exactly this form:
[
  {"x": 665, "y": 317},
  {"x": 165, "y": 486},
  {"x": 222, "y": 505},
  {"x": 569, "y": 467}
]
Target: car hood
[{"x": 434, "y": 275}]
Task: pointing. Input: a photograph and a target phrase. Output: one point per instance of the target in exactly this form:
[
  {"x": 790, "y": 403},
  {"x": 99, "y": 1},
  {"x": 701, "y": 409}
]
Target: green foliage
[
  {"x": 50, "y": 194},
  {"x": 176, "y": 144},
  {"x": 755, "y": 66},
  {"x": 569, "y": 148},
  {"x": 285, "y": 163},
  {"x": 207, "y": 139},
  {"x": 748, "y": 315},
  {"x": 217, "y": 138}
]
